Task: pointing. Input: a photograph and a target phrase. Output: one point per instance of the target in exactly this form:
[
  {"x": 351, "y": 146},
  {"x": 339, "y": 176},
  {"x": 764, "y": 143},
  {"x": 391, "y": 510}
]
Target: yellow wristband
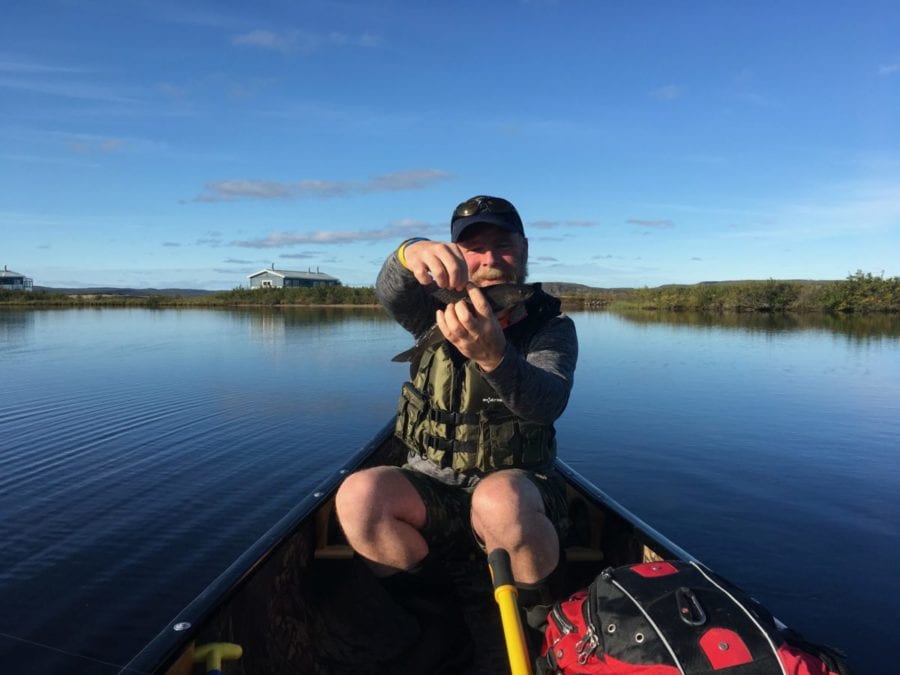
[{"x": 401, "y": 251}]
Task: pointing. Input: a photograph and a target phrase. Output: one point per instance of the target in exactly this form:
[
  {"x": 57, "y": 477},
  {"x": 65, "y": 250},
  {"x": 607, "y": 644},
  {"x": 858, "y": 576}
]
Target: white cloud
[
  {"x": 656, "y": 224},
  {"x": 176, "y": 12},
  {"x": 26, "y": 66},
  {"x": 667, "y": 92},
  {"x": 557, "y": 224},
  {"x": 77, "y": 90},
  {"x": 398, "y": 231},
  {"x": 213, "y": 239},
  {"x": 296, "y": 40},
  {"x": 101, "y": 146},
  {"x": 300, "y": 256},
  {"x": 266, "y": 40},
  {"x": 231, "y": 190},
  {"x": 35, "y": 159},
  {"x": 889, "y": 69}
]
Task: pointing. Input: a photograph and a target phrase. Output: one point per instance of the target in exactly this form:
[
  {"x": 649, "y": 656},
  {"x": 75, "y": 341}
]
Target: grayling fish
[{"x": 499, "y": 297}]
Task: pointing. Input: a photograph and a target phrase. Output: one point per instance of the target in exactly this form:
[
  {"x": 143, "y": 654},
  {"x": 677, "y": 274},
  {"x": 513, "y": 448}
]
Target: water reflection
[
  {"x": 301, "y": 327},
  {"x": 301, "y": 317},
  {"x": 15, "y": 327},
  {"x": 854, "y": 327},
  {"x": 278, "y": 318}
]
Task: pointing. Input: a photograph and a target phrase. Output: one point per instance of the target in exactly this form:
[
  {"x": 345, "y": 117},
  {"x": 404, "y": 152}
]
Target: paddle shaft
[{"x": 506, "y": 595}]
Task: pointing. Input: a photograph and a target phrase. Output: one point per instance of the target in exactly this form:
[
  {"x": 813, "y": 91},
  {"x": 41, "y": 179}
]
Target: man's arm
[
  {"x": 401, "y": 285},
  {"x": 404, "y": 298},
  {"x": 535, "y": 385}
]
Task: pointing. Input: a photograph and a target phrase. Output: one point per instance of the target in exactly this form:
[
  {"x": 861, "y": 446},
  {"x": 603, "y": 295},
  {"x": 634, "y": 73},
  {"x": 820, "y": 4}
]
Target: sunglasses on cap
[{"x": 477, "y": 205}]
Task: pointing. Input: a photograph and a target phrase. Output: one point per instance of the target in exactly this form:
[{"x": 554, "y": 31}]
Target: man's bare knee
[
  {"x": 508, "y": 512},
  {"x": 377, "y": 494},
  {"x": 507, "y": 496},
  {"x": 381, "y": 514},
  {"x": 353, "y": 496}
]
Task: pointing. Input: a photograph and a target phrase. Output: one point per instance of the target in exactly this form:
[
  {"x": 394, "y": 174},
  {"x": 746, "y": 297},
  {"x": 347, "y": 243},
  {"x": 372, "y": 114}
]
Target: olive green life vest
[{"x": 449, "y": 414}]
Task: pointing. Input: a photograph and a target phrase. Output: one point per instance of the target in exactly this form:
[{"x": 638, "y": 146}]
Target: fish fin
[
  {"x": 406, "y": 355},
  {"x": 414, "y": 352}
]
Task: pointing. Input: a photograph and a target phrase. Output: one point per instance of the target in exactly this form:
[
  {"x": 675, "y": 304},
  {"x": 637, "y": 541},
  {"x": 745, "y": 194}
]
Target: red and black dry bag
[{"x": 673, "y": 618}]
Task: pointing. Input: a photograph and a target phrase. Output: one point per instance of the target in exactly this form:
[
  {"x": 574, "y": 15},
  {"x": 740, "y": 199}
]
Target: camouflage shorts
[{"x": 448, "y": 527}]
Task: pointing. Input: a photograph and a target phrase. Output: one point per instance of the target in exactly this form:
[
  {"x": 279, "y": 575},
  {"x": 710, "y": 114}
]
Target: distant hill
[
  {"x": 565, "y": 288},
  {"x": 751, "y": 281},
  {"x": 128, "y": 292}
]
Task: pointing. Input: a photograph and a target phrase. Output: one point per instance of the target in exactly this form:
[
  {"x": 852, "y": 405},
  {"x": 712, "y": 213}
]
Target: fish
[{"x": 499, "y": 297}]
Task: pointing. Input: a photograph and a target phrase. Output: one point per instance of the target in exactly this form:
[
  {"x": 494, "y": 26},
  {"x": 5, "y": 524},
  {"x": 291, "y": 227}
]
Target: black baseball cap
[{"x": 485, "y": 209}]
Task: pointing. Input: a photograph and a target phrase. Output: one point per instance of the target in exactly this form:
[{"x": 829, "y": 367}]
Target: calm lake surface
[{"x": 141, "y": 451}]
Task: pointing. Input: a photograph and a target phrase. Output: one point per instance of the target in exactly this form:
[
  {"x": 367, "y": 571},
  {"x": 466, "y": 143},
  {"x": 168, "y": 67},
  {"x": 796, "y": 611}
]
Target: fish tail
[{"x": 406, "y": 355}]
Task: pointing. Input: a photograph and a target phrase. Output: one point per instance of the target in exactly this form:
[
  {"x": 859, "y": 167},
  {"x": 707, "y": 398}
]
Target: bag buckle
[
  {"x": 689, "y": 608},
  {"x": 586, "y": 645}
]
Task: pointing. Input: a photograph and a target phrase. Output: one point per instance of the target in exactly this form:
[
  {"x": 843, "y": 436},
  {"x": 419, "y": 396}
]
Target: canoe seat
[
  {"x": 328, "y": 549},
  {"x": 326, "y": 546},
  {"x": 583, "y": 554}
]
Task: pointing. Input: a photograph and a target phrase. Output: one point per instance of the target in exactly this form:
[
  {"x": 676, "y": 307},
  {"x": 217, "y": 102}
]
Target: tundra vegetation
[{"x": 860, "y": 293}]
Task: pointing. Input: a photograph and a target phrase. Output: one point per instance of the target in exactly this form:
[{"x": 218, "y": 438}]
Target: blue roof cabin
[
  {"x": 272, "y": 278},
  {"x": 13, "y": 281}
]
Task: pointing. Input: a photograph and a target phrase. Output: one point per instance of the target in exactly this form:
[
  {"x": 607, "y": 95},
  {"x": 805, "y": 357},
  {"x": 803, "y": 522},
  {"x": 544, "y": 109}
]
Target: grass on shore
[
  {"x": 239, "y": 297},
  {"x": 861, "y": 293}
]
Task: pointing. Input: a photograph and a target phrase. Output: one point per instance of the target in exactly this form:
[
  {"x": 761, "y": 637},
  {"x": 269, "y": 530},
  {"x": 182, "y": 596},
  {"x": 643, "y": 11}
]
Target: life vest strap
[
  {"x": 452, "y": 418},
  {"x": 450, "y": 445}
]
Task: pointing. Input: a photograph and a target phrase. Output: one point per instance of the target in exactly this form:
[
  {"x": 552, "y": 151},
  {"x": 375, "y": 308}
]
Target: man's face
[{"x": 494, "y": 256}]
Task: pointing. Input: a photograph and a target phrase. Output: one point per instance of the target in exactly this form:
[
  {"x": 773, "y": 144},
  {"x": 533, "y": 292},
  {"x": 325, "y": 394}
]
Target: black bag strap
[{"x": 682, "y": 606}]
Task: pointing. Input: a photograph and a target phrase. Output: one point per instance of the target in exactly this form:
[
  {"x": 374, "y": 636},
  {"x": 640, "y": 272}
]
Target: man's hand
[
  {"x": 474, "y": 330},
  {"x": 437, "y": 261}
]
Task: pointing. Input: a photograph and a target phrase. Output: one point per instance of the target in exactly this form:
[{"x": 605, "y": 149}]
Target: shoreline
[{"x": 860, "y": 293}]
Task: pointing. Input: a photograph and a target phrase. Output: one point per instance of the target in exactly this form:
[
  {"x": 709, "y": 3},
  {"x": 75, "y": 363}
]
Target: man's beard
[{"x": 515, "y": 275}]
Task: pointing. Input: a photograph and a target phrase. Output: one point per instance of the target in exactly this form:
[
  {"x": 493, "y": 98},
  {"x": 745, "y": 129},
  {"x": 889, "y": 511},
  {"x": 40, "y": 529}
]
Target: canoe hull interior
[{"x": 306, "y": 605}]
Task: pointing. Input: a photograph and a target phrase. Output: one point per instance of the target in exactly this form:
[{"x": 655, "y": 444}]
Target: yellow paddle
[
  {"x": 214, "y": 653},
  {"x": 505, "y": 594}
]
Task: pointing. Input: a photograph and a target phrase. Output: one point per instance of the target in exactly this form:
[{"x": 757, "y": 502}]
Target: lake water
[{"x": 141, "y": 451}]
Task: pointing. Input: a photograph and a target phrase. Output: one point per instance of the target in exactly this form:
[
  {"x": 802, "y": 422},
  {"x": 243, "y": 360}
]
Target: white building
[
  {"x": 13, "y": 281},
  {"x": 272, "y": 278}
]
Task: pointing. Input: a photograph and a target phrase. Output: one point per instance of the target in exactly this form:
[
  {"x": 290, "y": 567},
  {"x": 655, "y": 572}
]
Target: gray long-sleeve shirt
[{"x": 534, "y": 379}]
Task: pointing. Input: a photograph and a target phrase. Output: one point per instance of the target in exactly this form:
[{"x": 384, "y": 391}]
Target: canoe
[{"x": 298, "y": 601}]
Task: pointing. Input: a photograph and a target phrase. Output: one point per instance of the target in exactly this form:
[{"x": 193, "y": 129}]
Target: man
[{"x": 477, "y": 418}]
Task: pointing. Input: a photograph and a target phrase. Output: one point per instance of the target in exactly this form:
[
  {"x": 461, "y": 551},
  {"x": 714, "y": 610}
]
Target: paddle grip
[{"x": 501, "y": 568}]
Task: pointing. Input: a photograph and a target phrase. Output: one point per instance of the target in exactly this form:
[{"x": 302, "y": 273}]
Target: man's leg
[
  {"x": 508, "y": 512},
  {"x": 382, "y": 515}
]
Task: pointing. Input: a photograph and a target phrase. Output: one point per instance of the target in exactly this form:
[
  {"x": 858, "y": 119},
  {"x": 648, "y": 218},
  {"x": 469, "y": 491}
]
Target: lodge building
[
  {"x": 272, "y": 278},
  {"x": 13, "y": 281}
]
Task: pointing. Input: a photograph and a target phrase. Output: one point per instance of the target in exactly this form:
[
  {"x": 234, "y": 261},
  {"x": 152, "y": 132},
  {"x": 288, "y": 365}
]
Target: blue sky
[{"x": 187, "y": 144}]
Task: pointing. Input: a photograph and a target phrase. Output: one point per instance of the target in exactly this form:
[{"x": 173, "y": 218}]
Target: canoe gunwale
[{"x": 165, "y": 648}]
